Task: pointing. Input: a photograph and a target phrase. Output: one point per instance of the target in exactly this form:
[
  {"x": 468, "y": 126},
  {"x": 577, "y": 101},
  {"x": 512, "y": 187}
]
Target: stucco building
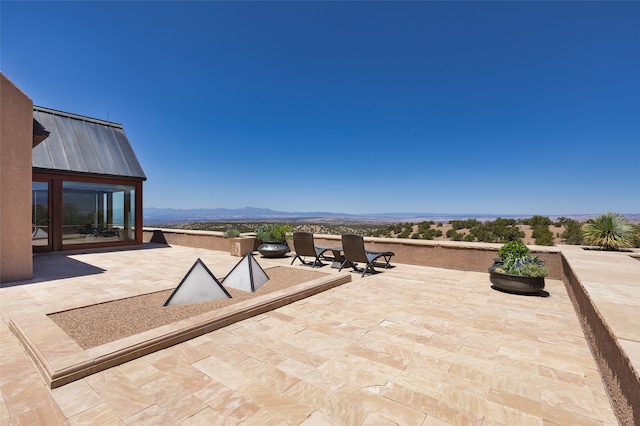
[{"x": 66, "y": 182}]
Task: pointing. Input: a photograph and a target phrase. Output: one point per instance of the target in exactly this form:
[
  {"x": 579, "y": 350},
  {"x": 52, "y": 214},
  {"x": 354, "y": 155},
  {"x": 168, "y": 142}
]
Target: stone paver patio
[{"x": 413, "y": 346}]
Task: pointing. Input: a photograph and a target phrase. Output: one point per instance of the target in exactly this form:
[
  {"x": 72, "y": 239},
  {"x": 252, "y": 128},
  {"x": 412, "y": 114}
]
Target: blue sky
[{"x": 353, "y": 107}]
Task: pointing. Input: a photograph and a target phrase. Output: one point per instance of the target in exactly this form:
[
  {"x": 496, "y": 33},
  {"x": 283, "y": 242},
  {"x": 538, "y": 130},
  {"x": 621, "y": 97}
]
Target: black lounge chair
[
  {"x": 354, "y": 252},
  {"x": 303, "y": 245}
]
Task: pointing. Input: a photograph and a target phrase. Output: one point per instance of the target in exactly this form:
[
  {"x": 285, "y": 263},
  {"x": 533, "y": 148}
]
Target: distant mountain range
[{"x": 153, "y": 215}]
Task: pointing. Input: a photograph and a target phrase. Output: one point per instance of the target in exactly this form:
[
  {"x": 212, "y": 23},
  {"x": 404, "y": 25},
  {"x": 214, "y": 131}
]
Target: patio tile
[
  {"x": 262, "y": 417},
  {"x": 46, "y": 413},
  {"x": 125, "y": 398},
  {"x": 302, "y": 371},
  {"x": 101, "y": 415},
  {"x": 279, "y": 405},
  {"x": 152, "y": 415},
  {"x": 412, "y": 345},
  {"x": 206, "y": 416},
  {"x": 139, "y": 371},
  {"x": 76, "y": 397},
  {"x": 387, "y": 408},
  {"x": 331, "y": 405},
  {"x": 236, "y": 408},
  {"x": 208, "y": 346},
  {"x": 222, "y": 372},
  {"x": 437, "y": 409}
]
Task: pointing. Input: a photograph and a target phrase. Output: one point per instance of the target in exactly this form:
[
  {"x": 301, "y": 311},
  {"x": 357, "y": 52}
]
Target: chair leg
[
  {"x": 301, "y": 260},
  {"x": 369, "y": 267},
  {"x": 342, "y": 265}
]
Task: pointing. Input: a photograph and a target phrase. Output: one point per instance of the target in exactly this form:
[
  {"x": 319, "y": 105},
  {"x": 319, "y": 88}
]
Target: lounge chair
[
  {"x": 304, "y": 245},
  {"x": 354, "y": 252}
]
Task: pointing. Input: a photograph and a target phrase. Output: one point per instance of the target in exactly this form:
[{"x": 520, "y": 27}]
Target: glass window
[
  {"x": 95, "y": 212},
  {"x": 40, "y": 213}
]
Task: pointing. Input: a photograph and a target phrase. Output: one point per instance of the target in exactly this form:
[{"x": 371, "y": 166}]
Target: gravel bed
[{"x": 95, "y": 325}]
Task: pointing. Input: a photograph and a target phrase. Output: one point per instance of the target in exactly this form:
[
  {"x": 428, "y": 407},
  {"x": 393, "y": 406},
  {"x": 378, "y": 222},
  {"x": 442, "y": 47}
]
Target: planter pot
[
  {"x": 516, "y": 283},
  {"x": 240, "y": 246},
  {"x": 273, "y": 249}
]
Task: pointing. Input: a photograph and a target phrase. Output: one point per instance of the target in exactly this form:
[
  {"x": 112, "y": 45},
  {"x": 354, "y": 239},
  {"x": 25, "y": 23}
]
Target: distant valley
[{"x": 155, "y": 216}]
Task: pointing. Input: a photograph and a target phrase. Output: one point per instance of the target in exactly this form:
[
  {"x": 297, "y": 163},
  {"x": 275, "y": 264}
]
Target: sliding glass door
[{"x": 97, "y": 213}]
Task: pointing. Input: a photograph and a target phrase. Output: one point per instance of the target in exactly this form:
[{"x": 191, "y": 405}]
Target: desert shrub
[
  {"x": 405, "y": 233},
  {"x": 232, "y": 233},
  {"x": 543, "y": 236},
  {"x": 537, "y": 221},
  {"x": 482, "y": 233},
  {"x": 635, "y": 238},
  {"x": 610, "y": 231},
  {"x": 457, "y": 224},
  {"x": 572, "y": 232},
  {"x": 499, "y": 230},
  {"x": 464, "y": 224},
  {"x": 426, "y": 235},
  {"x": 453, "y": 235}
]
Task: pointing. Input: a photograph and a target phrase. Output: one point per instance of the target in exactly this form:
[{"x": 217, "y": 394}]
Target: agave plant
[{"x": 610, "y": 231}]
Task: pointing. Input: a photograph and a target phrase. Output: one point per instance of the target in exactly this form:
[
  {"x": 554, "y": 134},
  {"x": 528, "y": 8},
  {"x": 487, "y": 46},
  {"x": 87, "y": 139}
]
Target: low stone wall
[
  {"x": 618, "y": 375},
  {"x": 439, "y": 254},
  {"x": 210, "y": 240},
  {"x": 447, "y": 254}
]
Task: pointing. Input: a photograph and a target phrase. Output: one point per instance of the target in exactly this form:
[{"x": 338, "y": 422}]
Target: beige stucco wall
[
  {"x": 16, "y": 138},
  {"x": 440, "y": 254}
]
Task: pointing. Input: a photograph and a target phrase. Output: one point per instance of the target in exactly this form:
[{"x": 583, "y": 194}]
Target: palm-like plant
[{"x": 610, "y": 231}]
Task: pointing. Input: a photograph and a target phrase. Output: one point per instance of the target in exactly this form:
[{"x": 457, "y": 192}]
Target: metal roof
[{"x": 84, "y": 145}]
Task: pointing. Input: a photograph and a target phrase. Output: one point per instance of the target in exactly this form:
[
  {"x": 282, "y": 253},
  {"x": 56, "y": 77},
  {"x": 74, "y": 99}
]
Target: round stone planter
[
  {"x": 273, "y": 249},
  {"x": 516, "y": 283}
]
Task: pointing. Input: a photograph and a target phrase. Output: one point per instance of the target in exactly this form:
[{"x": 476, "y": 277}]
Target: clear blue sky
[{"x": 352, "y": 107}]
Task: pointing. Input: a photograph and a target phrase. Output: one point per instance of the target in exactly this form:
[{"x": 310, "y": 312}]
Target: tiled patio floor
[{"x": 412, "y": 346}]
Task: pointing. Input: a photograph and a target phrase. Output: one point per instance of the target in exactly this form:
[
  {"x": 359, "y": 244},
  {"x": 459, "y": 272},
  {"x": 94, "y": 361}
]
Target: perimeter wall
[{"x": 438, "y": 254}]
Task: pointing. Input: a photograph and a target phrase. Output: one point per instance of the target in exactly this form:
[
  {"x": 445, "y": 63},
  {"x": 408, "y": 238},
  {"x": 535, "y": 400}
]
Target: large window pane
[
  {"x": 96, "y": 213},
  {"x": 40, "y": 213}
]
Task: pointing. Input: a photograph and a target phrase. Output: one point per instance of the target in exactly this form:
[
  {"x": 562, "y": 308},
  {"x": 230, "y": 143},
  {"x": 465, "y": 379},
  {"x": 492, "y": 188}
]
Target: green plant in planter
[
  {"x": 610, "y": 231},
  {"x": 274, "y": 232},
  {"x": 517, "y": 260},
  {"x": 232, "y": 233},
  {"x": 513, "y": 248}
]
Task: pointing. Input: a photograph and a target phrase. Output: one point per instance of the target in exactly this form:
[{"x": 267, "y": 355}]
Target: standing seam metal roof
[{"x": 84, "y": 145}]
